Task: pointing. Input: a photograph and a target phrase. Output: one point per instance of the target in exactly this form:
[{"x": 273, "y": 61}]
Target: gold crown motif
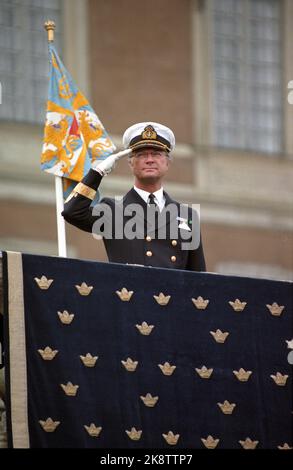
[
  {"x": 289, "y": 344},
  {"x": 171, "y": 438},
  {"x": 144, "y": 328},
  {"x": 280, "y": 379},
  {"x": 275, "y": 309},
  {"x": 210, "y": 442},
  {"x": 70, "y": 389},
  {"x": 226, "y": 407},
  {"x": 89, "y": 360},
  {"x": 204, "y": 373},
  {"x": 248, "y": 443},
  {"x": 49, "y": 425},
  {"x": 285, "y": 446},
  {"x": 166, "y": 368},
  {"x": 149, "y": 133},
  {"x": 129, "y": 364},
  {"x": 84, "y": 289},
  {"x": 200, "y": 303},
  {"x": 65, "y": 317},
  {"x": 242, "y": 375},
  {"x": 219, "y": 336},
  {"x": 43, "y": 283},
  {"x": 48, "y": 354},
  {"x": 162, "y": 299},
  {"x": 133, "y": 434},
  {"x": 149, "y": 400},
  {"x": 124, "y": 294},
  {"x": 93, "y": 430},
  {"x": 237, "y": 305}
]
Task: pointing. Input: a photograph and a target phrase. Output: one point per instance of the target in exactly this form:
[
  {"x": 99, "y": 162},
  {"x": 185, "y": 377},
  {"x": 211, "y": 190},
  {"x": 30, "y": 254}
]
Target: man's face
[{"x": 149, "y": 164}]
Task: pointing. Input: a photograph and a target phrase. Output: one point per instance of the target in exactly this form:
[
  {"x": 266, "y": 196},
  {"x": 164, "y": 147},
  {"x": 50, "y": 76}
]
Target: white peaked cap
[{"x": 149, "y": 134}]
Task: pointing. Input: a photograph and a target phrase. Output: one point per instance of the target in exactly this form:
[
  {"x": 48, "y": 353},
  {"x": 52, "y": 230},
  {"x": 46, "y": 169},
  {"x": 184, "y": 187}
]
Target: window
[
  {"x": 247, "y": 79},
  {"x": 24, "y": 57}
]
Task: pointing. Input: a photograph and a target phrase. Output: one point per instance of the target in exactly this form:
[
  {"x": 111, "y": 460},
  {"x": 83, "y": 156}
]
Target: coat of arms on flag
[{"x": 74, "y": 136}]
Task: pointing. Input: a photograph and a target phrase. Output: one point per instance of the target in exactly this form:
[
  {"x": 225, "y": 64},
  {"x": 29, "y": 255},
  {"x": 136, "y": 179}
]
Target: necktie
[{"x": 152, "y": 201}]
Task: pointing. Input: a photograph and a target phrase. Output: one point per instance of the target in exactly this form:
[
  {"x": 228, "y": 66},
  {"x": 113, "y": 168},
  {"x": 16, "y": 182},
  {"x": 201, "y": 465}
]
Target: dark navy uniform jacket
[{"x": 147, "y": 249}]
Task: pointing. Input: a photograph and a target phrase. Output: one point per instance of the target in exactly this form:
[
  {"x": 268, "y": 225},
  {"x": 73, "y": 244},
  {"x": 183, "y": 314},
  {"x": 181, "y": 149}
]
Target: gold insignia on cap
[
  {"x": 289, "y": 344},
  {"x": 144, "y": 328},
  {"x": 48, "y": 354},
  {"x": 248, "y": 443},
  {"x": 65, "y": 317},
  {"x": 280, "y": 379},
  {"x": 124, "y": 294},
  {"x": 204, "y": 373},
  {"x": 237, "y": 305},
  {"x": 162, "y": 299},
  {"x": 226, "y": 407},
  {"x": 285, "y": 446},
  {"x": 89, "y": 360},
  {"x": 129, "y": 364},
  {"x": 219, "y": 336},
  {"x": 133, "y": 434},
  {"x": 166, "y": 368},
  {"x": 171, "y": 438},
  {"x": 49, "y": 425},
  {"x": 93, "y": 430},
  {"x": 275, "y": 309},
  {"x": 200, "y": 303},
  {"x": 149, "y": 400},
  {"x": 149, "y": 133},
  {"x": 70, "y": 389},
  {"x": 43, "y": 282},
  {"x": 242, "y": 375},
  {"x": 210, "y": 442},
  {"x": 84, "y": 289}
]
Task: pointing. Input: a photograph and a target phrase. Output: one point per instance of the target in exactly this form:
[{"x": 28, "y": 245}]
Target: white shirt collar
[{"x": 159, "y": 196}]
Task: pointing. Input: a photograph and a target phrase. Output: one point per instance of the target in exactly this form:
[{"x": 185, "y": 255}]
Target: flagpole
[{"x": 61, "y": 233}]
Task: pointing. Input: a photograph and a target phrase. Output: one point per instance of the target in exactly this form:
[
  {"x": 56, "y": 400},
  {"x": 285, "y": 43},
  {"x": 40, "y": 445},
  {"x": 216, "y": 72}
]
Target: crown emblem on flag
[
  {"x": 162, "y": 299},
  {"x": 285, "y": 446},
  {"x": 275, "y": 309},
  {"x": 166, "y": 368},
  {"x": 237, "y": 305},
  {"x": 93, "y": 430},
  {"x": 84, "y": 289},
  {"x": 49, "y": 425},
  {"x": 129, "y": 364},
  {"x": 149, "y": 400},
  {"x": 248, "y": 443},
  {"x": 133, "y": 434},
  {"x": 219, "y": 336},
  {"x": 70, "y": 389},
  {"x": 171, "y": 438},
  {"x": 210, "y": 442},
  {"x": 226, "y": 407},
  {"x": 144, "y": 328},
  {"x": 47, "y": 354},
  {"x": 43, "y": 282},
  {"x": 242, "y": 375},
  {"x": 89, "y": 360},
  {"x": 204, "y": 373},
  {"x": 200, "y": 303},
  {"x": 65, "y": 317},
  {"x": 280, "y": 379},
  {"x": 124, "y": 294}
]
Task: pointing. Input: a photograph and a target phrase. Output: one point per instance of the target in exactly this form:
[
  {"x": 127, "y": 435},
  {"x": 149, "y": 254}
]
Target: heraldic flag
[{"x": 74, "y": 136}]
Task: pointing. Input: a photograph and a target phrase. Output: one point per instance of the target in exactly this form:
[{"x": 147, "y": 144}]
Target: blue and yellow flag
[{"x": 74, "y": 136}]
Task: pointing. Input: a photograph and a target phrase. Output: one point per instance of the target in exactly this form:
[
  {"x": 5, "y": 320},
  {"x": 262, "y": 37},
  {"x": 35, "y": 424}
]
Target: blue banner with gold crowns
[
  {"x": 74, "y": 136},
  {"x": 105, "y": 355}
]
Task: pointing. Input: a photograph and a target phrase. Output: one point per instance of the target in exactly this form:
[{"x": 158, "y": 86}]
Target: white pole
[{"x": 60, "y": 221}]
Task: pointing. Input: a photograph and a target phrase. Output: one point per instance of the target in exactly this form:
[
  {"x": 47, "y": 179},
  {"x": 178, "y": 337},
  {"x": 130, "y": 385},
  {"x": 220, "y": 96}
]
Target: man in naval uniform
[{"x": 146, "y": 227}]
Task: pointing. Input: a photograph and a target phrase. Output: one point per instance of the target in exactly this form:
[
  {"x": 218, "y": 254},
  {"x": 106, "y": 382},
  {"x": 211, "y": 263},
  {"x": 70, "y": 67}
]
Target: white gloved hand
[{"x": 105, "y": 166}]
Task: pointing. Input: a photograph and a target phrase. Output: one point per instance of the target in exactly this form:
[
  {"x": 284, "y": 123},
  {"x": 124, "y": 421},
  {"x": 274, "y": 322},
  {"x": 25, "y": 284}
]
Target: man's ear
[{"x": 130, "y": 161}]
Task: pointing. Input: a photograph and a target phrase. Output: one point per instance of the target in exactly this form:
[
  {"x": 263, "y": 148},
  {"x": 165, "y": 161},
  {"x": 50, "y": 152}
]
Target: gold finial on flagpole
[{"x": 50, "y": 28}]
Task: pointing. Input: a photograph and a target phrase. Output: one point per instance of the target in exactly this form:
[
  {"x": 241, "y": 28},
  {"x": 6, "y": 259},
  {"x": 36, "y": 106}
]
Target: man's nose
[{"x": 149, "y": 156}]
